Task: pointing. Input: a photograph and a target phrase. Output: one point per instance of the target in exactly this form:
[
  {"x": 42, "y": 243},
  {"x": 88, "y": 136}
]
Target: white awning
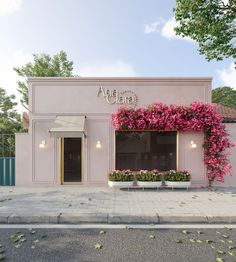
[{"x": 68, "y": 126}]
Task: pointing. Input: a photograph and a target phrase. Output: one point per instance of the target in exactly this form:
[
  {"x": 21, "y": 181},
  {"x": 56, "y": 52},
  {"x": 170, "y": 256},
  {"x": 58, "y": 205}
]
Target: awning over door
[{"x": 68, "y": 126}]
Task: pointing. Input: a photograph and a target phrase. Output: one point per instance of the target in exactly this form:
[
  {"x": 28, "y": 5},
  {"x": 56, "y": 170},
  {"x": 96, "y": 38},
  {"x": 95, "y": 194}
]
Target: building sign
[{"x": 113, "y": 96}]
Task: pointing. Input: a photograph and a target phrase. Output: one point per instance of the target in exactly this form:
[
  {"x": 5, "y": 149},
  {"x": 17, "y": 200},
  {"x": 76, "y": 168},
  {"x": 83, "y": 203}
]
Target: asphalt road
[{"x": 128, "y": 245}]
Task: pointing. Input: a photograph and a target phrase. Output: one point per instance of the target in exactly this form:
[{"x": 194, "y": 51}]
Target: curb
[{"x": 105, "y": 218}]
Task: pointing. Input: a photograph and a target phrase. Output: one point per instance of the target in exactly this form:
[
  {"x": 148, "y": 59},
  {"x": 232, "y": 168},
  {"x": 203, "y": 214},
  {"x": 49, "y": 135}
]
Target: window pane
[{"x": 146, "y": 150}]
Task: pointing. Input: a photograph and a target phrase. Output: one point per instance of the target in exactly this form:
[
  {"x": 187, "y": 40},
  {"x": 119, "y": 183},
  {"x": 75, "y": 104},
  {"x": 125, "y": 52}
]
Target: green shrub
[
  {"x": 174, "y": 175},
  {"x": 148, "y": 175},
  {"x": 121, "y": 175}
]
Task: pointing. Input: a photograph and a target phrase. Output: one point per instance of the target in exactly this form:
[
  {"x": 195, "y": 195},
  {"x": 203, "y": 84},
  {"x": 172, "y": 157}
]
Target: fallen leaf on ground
[
  {"x": 98, "y": 246},
  {"x": 185, "y": 232},
  {"x": 192, "y": 240},
  {"x": 207, "y": 241},
  {"x": 219, "y": 251},
  {"x": 231, "y": 253},
  {"x": 178, "y": 241}
]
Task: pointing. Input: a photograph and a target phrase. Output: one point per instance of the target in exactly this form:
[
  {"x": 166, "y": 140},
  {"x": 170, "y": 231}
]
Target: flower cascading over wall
[{"x": 196, "y": 117}]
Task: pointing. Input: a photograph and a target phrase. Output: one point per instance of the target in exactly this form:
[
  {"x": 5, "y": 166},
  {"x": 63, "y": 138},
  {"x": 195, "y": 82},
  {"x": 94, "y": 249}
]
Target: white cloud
[
  {"x": 228, "y": 76},
  {"x": 166, "y": 29},
  {"x": 9, "y": 6},
  {"x": 8, "y": 76},
  {"x": 153, "y": 27},
  {"x": 169, "y": 32},
  {"x": 117, "y": 68}
]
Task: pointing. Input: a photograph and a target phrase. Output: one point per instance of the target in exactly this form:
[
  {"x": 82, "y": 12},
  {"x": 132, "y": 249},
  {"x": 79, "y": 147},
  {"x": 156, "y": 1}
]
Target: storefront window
[{"x": 146, "y": 150}]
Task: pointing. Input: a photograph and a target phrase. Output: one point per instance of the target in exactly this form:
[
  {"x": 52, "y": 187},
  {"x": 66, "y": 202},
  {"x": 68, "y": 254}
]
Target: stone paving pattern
[{"x": 74, "y": 204}]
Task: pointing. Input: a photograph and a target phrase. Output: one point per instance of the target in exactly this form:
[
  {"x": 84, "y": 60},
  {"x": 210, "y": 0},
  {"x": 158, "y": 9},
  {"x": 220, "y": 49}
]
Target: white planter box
[
  {"x": 120, "y": 184},
  {"x": 178, "y": 184},
  {"x": 149, "y": 184}
]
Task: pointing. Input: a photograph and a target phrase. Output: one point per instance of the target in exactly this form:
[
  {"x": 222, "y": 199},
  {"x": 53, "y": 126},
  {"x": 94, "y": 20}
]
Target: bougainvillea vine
[{"x": 196, "y": 117}]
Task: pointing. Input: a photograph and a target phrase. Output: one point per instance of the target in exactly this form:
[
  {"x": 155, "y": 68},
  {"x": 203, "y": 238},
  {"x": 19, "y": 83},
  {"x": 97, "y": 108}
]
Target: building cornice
[{"x": 119, "y": 79}]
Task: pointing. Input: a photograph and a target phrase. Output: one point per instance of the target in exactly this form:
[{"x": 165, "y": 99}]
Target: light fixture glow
[
  {"x": 98, "y": 145},
  {"x": 42, "y": 144},
  {"x": 193, "y": 144}
]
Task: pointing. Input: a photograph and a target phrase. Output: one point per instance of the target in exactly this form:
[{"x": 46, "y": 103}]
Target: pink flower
[{"x": 196, "y": 117}]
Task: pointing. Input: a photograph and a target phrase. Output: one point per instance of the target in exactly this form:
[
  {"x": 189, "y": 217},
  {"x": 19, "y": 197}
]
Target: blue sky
[{"x": 103, "y": 38}]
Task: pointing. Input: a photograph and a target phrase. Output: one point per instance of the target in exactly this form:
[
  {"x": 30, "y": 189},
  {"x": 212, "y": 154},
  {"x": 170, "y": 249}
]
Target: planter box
[
  {"x": 120, "y": 184},
  {"x": 178, "y": 184},
  {"x": 149, "y": 184}
]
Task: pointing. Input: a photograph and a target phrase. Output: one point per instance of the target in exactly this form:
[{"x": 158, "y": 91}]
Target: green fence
[
  {"x": 7, "y": 171},
  {"x": 7, "y": 159}
]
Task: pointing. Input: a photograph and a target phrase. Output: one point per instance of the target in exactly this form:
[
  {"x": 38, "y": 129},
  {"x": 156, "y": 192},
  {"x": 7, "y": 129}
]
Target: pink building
[{"x": 71, "y": 139}]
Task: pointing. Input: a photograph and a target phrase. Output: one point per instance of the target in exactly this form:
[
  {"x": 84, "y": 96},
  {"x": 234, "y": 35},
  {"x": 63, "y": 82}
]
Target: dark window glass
[
  {"x": 146, "y": 150},
  {"x": 72, "y": 159}
]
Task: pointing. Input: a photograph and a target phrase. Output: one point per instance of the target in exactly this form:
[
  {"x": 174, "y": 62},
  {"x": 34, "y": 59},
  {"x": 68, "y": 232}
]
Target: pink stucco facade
[{"x": 51, "y": 97}]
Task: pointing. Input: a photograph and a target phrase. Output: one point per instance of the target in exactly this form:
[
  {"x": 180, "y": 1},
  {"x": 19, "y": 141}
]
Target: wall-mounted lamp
[
  {"x": 42, "y": 144},
  {"x": 98, "y": 145},
  {"x": 193, "y": 144}
]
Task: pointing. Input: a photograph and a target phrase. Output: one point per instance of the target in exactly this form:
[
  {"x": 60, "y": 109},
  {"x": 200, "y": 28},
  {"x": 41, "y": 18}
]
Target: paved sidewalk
[{"x": 76, "y": 205}]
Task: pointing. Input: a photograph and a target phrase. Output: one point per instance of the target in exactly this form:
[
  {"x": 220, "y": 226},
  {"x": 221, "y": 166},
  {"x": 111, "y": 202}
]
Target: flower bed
[
  {"x": 174, "y": 175},
  {"x": 121, "y": 175},
  {"x": 177, "y": 179},
  {"x": 120, "y": 178},
  {"x": 148, "y": 175},
  {"x": 149, "y": 178},
  {"x": 196, "y": 117}
]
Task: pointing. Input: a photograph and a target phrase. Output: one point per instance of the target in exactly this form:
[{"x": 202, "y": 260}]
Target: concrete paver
[{"x": 74, "y": 204}]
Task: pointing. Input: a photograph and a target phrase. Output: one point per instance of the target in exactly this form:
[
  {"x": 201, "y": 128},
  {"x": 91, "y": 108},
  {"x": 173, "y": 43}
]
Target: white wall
[
  {"x": 23, "y": 159},
  {"x": 79, "y": 95},
  {"x": 231, "y": 180},
  {"x": 191, "y": 159},
  {"x": 49, "y": 97}
]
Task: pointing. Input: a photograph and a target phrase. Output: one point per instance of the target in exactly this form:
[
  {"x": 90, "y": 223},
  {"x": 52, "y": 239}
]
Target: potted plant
[
  {"x": 120, "y": 178},
  {"x": 149, "y": 178},
  {"x": 177, "y": 179}
]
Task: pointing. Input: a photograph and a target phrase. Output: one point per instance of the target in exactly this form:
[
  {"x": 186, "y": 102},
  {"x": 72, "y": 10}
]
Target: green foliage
[
  {"x": 225, "y": 96},
  {"x": 10, "y": 123},
  {"x": 211, "y": 23},
  {"x": 173, "y": 175},
  {"x": 148, "y": 175},
  {"x": 43, "y": 65},
  {"x": 121, "y": 175}
]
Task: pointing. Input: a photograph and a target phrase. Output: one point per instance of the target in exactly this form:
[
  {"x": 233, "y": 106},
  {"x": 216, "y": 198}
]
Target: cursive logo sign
[{"x": 113, "y": 96}]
